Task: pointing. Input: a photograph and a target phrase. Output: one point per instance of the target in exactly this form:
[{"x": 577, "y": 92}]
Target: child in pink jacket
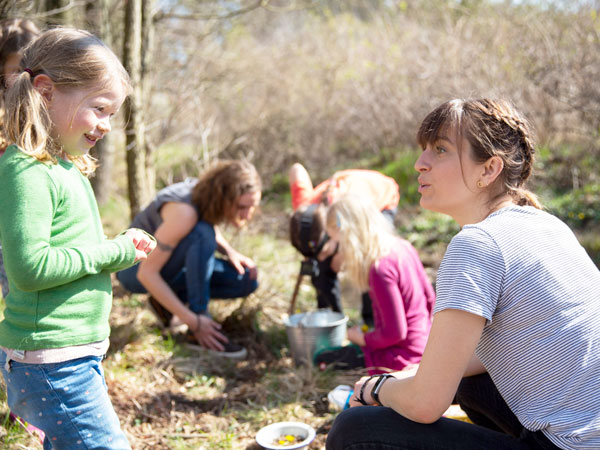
[{"x": 377, "y": 260}]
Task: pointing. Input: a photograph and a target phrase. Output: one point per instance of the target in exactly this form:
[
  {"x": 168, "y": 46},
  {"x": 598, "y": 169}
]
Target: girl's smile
[{"x": 80, "y": 117}]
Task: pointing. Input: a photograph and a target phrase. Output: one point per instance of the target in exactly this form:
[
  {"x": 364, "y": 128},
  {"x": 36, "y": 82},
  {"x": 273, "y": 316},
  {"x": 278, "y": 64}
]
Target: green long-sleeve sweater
[{"x": 56, "y": 256}]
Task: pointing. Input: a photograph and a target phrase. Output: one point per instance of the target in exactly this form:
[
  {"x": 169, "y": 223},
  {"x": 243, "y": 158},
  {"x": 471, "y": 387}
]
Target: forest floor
[{"x": 169, "y": 397}]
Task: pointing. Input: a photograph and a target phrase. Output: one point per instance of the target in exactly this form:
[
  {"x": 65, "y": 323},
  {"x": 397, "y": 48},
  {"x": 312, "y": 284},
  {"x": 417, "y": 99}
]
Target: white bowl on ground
[{"x": 268, "y": 437}]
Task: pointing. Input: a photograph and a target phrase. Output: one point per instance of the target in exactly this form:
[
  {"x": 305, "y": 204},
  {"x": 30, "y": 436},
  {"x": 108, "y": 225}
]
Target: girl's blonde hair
[
  {"x": 365, "y": 236},
  {"x": 72, "y": 59},
  {"x": 492, "y": 128},
  {"x": 218, "y": 190}
]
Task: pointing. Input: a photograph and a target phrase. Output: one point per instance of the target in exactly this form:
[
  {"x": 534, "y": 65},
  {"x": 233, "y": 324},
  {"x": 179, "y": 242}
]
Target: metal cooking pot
[{"x": 311, "y": 332}]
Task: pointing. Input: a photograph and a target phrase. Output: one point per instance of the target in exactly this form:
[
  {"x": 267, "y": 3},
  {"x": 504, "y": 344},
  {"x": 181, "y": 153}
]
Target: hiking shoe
[
  {"x": 231, "y": 350},
  {"x": 161, "y": 313},
  {"x": 339, "y": 398}
]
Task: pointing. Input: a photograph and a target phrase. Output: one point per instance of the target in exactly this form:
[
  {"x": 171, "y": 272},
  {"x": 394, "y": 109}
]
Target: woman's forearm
[
  {"x": 424, "y": 396},
  {"x": 222, "y": 244},
  {"x": 162, "y": 292}
]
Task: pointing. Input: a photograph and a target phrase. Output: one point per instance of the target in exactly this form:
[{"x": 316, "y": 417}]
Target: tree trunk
[
  {"x": 147, "y": 60},
  {"x": 97, "y": 21},
  {"x": 135, "y": 150},
  {"x": 63, "y": 15}
]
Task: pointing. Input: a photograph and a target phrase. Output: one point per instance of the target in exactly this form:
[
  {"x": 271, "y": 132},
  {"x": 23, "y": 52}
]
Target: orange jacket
[{"x": 381, "y": 189}]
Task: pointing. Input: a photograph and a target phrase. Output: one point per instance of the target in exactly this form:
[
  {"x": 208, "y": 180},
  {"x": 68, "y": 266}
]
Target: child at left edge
[{"x": 55, "y": 330}]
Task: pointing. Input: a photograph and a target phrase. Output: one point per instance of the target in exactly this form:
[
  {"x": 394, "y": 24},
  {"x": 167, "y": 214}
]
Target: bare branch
[
  {"x": 293, "y": 6},
  {"x": 72, "y": 4},
  {"x": 198, "y": 16}
]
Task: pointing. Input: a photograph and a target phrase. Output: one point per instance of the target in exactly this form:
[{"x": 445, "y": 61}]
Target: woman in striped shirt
[{"x": 515, "y": 336}]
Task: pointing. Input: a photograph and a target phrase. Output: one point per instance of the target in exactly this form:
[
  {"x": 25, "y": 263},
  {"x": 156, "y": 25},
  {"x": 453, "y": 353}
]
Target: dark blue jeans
[
  {"x": 195, "y": 274},
  {"x": 376, "y": 427}
]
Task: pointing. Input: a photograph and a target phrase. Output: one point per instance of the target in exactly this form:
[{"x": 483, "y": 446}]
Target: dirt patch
[{"x": 168, "y": 397}]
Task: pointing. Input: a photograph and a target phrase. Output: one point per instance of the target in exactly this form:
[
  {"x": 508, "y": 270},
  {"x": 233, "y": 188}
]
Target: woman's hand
[
  {"x": 239, "y": 261},
  {"x": 242, "y": 262},
  {"x": 366, "y": 392},
  {"x": 208, "y": 335},
  {"x": 144, "y": 243},
  {"x": 356, "y": 336}
]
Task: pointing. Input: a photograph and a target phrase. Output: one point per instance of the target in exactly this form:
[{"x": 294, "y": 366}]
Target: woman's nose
[{"x": 422, "y": 164}]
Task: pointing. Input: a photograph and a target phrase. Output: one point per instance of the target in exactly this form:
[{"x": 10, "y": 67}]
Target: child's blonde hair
[
  {"x": 364, "y": 235},
  {"x": 72, "y": 59}
]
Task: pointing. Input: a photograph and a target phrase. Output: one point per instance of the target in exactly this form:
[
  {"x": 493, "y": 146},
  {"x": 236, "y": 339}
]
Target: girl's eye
[
  {"x": 439, "y": 149},
  {"x": 100, "y": 108}
]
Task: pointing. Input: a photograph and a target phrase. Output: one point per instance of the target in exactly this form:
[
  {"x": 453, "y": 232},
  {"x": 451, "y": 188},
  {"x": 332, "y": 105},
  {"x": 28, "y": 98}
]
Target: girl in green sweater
[{"x": 55, "y": 329}]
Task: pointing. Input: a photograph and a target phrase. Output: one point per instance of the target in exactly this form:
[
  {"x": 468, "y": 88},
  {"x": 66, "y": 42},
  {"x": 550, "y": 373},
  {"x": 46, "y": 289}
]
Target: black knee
[{"x": 344, "y": 429}]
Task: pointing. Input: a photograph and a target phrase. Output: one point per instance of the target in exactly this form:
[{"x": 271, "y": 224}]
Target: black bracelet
[
  {"x": 360, "y": 397},
  {"x": 377, "y": 386}
]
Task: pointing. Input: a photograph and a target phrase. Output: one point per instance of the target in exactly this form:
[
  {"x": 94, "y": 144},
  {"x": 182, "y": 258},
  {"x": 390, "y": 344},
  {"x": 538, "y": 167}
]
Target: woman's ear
[
  {"x": 492, "y": 168},
  {"x": 44, "y": 85}
]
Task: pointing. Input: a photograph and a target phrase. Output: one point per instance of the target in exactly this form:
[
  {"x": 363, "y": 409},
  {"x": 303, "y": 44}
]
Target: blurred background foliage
[{"x": 337, "y": 84}]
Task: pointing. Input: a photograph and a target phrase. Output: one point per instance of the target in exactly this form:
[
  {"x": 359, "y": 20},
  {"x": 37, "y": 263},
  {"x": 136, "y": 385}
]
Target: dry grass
[{"x": 169, "y": 397}]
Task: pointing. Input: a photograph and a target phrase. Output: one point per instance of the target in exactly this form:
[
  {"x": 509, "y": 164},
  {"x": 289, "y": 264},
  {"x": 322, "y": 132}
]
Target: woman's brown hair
[
  {"x": 218, "y": 190},
  {"x": 15, "y": 35},
  {"x": 492, "y": 128}
]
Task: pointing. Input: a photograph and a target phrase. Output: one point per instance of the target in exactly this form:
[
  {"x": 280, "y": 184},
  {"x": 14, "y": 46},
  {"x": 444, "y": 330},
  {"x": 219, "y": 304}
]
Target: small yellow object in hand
[{"x": 364, "y": 328}]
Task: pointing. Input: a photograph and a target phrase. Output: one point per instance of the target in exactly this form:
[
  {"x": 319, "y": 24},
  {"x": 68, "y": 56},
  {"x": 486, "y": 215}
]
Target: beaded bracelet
[{"x": 360, "y": 397}]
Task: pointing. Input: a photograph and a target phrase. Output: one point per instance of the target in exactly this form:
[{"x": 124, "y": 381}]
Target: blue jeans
[
  {"x": 376, "y": 427},
  {"x": 68, "y": 401},
  {"x": 195, "y": 274}
]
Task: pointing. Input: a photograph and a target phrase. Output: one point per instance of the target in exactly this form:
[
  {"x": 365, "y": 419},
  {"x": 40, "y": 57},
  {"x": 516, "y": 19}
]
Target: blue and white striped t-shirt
[{"x": 525, "y": 272}]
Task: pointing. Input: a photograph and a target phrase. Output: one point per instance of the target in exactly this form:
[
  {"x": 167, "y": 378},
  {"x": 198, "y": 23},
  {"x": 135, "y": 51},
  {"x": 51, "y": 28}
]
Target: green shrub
[
  {"x": 428, "y": 229},
  {"x": 401, "y": 168},
  {"x": 278, "y": 191},
  {"x": 579, "y": 207}
]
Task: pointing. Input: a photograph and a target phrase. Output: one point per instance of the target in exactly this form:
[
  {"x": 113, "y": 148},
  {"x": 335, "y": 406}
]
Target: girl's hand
[
  {"x": 208, "y": 335},
  {"x": 356, "y": 336},
  {"x": 144, "y": 243}
]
